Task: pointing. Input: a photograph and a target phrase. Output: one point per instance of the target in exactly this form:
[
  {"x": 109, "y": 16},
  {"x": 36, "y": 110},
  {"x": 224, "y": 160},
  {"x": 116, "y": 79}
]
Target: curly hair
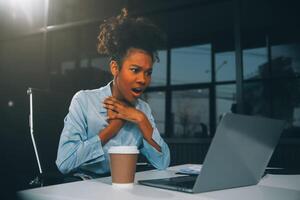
[{"x": 118, "y": 34}]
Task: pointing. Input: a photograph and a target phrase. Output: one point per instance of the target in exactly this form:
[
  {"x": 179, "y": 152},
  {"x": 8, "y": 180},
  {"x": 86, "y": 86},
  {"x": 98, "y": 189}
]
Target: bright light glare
[{"x": 22, "y": 8}]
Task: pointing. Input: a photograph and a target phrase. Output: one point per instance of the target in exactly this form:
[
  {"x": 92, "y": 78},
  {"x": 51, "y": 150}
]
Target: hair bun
[
  {"x": 118, "y": 34},
  {"x": 124, "y": 12},
  {"x": 123, "y": 15}
]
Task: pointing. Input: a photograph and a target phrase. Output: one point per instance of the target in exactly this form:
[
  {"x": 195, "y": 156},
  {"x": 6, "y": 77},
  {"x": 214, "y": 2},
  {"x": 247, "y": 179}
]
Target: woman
[{"x": 114, "y": 115}]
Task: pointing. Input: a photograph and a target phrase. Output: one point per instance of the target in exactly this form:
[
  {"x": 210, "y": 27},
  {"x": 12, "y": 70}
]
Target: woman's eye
[
  {"x": 135, "y": 70},
  {"x": 149, "y": 73}
]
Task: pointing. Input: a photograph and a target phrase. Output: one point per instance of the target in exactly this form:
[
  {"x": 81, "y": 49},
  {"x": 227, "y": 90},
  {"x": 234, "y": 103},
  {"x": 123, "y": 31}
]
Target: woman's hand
[
  {"x": 120, "y": 110},
  {"x": 110, "y": 115}
]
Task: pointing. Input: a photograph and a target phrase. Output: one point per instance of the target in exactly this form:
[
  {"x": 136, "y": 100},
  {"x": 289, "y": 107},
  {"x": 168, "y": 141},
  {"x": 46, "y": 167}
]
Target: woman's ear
[{"x": 114, "y": 68}]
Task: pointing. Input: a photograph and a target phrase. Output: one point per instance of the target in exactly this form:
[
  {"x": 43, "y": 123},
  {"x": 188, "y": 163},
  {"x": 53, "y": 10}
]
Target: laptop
[{"x": 238, "y": 156}]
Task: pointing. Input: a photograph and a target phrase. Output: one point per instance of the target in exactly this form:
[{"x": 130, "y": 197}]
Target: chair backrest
[{"x": 47, "y": 112}]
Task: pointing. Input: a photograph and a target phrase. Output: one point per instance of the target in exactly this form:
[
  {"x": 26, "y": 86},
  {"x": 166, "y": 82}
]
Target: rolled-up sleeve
[
  {"x": 160, "y": 160},
  {"x": 75, "y": 148}
]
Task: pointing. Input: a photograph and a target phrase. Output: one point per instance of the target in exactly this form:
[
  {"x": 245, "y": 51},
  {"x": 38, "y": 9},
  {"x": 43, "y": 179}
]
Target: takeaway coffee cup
[{"x": 123, "y": 164}]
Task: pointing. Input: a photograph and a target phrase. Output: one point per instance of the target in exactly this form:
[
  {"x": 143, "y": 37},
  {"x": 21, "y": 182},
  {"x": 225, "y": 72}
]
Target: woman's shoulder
[
  {"x": 86, "y": 98},
  {"x": 92, "y": 93},
  {"x": 83, "y": 98},
  {"x": 82, "y": 94}
]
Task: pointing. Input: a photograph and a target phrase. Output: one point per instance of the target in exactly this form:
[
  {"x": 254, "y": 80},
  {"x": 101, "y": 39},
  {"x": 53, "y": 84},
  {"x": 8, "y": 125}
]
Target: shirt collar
[{"x": 106, "y": 92}]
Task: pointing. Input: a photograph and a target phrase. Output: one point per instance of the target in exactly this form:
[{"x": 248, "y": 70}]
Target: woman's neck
[
  {"x": 117, "y": 94},
  {"x": 115, "y": 91}
]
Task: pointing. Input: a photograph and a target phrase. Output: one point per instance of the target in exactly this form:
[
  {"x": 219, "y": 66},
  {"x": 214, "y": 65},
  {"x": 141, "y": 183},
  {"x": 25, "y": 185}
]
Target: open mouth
[{"x": 137, "y": 91}]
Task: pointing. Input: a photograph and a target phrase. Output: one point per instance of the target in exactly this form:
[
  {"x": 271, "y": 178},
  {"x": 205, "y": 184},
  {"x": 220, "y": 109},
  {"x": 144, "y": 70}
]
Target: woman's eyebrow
[
  {"x": 140, "y": 67},
  {"x": 136, "y": 66}
]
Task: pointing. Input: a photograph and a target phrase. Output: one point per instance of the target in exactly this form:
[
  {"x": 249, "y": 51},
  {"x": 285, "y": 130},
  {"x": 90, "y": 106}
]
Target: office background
[{"x": 221, "y": 56}]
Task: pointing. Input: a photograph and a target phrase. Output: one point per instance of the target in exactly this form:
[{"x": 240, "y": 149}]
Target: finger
[
  {"x": 115, "y": 100},
  {"x": 112, "y": 102},
  {"x": 114, "y": 106},
  {"x": 110, "y": 107},
  {"x": 108, "y": 101}
]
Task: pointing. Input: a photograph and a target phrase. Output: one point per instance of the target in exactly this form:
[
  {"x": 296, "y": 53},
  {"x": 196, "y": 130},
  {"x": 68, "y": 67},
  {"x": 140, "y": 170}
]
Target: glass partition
[
  {"x": 190, "y": 109},
  {"x": 156, "y": 100},
  {"x": 225, "y": 66},
  {"x": 254, "y": 60},
  {"x": 191, "y": 64}
]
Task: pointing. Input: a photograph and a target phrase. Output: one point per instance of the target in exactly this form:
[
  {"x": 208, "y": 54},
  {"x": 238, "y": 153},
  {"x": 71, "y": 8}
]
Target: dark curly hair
[{"x": 118, "y": 34}]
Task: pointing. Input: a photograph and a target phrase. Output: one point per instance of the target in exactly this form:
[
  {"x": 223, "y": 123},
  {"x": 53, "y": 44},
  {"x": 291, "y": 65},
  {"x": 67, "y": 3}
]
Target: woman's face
[{"x": 133, "y": 77}]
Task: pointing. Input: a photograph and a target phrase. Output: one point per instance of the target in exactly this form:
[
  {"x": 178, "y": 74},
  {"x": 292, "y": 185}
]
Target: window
[
  {"x": 280, "y": 96},
  {"x": 159, "y": 74},
  {"x": 191, "y": 64},
  {"x": 254, "y": 60},
  {"x": 285, "y": 99},
  {"x": 257, "y": 97},
  {"x": 225, "y": 100},
  {"x": 190, "y": 109},
  {"x": 285, "y": 60},
  {"x": 225, "y": 66},
  {"x": 156, "y": 100}
]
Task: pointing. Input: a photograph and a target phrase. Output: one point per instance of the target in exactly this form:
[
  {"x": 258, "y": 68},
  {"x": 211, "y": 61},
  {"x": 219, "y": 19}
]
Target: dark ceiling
[
  {"x": 186, "y": 22},
  {"x": 189, "y": 21}
]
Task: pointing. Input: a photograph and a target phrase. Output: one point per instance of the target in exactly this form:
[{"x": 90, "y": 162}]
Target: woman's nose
[{"x": 141, "y": 78}]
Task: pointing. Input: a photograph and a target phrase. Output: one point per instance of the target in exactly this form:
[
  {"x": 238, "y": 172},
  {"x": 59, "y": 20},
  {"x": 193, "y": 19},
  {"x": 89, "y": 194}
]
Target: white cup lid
[{"x": 123, "y": 150}]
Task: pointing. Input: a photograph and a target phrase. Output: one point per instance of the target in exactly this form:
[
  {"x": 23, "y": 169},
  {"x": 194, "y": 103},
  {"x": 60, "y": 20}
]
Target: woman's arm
[
  {"x": 147, "y": 131},
  {"x": 75, "y": 147},
  {"x": 119, "y": 110}
]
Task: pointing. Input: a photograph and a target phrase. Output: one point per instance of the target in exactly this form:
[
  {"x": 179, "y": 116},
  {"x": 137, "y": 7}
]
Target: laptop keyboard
[
  {"x": 181, "y": 181},
  {"x": 185, "y": 181}
]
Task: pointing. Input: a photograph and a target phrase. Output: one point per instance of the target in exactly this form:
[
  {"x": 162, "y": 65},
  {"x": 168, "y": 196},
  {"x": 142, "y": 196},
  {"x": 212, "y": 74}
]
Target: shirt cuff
[
  {"x": 156, "y": 137},
  {"x": 160, "y": 160}
]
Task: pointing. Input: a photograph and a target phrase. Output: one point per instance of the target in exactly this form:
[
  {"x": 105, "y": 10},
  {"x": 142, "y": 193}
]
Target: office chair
[
  {"x": 47, "y": 112},
  {"x": 46, "y": 120}
]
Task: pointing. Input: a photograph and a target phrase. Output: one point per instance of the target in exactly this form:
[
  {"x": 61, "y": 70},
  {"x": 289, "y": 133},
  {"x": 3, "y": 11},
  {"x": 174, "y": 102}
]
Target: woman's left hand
[{"x": 122, "y": 110}]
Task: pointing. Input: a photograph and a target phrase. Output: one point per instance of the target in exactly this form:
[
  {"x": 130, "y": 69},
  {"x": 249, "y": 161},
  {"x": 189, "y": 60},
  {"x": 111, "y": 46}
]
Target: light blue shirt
[{"x": 80, "y": 146}]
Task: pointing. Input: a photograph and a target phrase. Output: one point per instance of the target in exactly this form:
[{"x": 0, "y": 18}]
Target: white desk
[{"x": 275, "y": 187}]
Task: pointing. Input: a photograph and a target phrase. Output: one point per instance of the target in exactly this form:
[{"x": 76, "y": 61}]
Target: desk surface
[{"x": 275, "y": 187}]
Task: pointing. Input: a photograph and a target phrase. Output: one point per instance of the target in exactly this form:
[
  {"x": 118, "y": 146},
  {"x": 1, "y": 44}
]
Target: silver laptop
[{"x": 238, "y": 156}]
